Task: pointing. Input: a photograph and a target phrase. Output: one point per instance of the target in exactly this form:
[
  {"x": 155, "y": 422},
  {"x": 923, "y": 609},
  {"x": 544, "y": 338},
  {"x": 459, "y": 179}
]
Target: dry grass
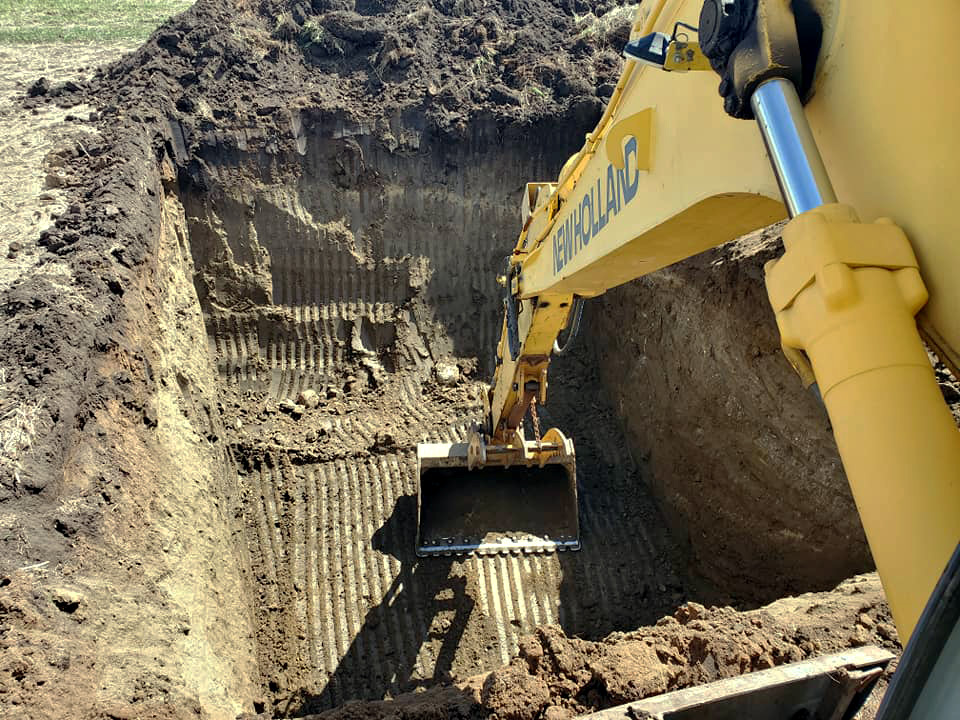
[
  {"x": 315, "y": 34},
  {"x": 18, "y": 427},
  {"x": 610, "y": 28}
]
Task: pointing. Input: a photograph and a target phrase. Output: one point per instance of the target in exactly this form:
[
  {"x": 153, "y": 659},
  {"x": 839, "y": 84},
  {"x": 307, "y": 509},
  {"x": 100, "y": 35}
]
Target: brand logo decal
[{"x": 607, "y": 197}]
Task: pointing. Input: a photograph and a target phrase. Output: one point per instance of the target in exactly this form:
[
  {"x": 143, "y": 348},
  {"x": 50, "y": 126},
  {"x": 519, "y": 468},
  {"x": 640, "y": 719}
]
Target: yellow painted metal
[
  {"x": 685, "y": 57},
  {"x": 602, "y": 265},
  {"x": 888, "y": 135},
  {"x": 531, "y": 200},
  {"x": 675, "y": 210},
  {"x": 638, "y": 126},
  {"x": 701, "y": 178},
  {"x": 545, "y": 203},
  {"x": 538, "y": 327},
  {"x": 885, "y": 132},
  {"x": 845, "y": 294},
  {"x": 648, "y": 15}
]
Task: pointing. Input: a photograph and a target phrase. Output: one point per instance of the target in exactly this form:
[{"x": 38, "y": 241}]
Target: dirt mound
[
  {"x": 555, "y": 676},
  {"x": 693, "y": 646},
  {"x": 226, "y": 65}
]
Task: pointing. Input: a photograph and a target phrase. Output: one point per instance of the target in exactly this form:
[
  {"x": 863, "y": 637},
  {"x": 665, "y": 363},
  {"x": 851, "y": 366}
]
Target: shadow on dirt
[
  {"x": 426, "y": 604},
  {"x": 630, "y": 569}
]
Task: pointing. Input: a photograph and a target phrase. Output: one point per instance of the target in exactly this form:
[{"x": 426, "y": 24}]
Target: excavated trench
[
  {"x": 266, "y": 547},
  {"x": 351, "y": 270}
]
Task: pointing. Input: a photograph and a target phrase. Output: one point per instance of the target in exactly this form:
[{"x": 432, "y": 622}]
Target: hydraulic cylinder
[{"x": 845, "y": 294}]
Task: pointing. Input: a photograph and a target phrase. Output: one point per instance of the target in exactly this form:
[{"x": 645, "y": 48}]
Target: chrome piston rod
[{"x": 793, "y": 152}]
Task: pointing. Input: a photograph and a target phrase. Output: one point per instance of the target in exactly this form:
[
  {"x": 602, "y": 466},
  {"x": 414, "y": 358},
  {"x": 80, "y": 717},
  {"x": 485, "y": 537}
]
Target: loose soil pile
[
  {"x": 556, "y": 676},
  {"x": 273, "y": 272}
]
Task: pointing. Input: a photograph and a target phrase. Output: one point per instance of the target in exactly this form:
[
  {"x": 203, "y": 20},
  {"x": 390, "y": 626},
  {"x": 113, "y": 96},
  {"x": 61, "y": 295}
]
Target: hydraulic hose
[{"x": 574, "y": 328}]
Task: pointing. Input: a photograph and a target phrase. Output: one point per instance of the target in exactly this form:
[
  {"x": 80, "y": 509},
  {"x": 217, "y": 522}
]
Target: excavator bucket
[{"x": 495, "y": 508}]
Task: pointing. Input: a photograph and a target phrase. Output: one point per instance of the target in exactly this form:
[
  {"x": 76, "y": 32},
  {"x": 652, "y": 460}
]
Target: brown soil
[
  {"x": 720, "y": 487},
  {"x": 556, "y": 676},
  {"x": 285, "y": 197}
]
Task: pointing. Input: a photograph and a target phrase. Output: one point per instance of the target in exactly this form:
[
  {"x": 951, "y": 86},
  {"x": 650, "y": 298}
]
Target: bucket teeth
[{"x": 523, "y": 546}]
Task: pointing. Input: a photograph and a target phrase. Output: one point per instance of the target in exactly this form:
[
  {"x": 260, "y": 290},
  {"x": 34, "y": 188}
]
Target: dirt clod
[
  {"x": 447, "y": 373},
  {"x": 40, "y": 87},
  {"x": 67, "y": 600},
  {"x": 308, "y": 398}
]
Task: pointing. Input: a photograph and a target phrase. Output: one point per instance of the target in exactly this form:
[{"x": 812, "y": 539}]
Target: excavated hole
[{"x": 351, "y": 270}]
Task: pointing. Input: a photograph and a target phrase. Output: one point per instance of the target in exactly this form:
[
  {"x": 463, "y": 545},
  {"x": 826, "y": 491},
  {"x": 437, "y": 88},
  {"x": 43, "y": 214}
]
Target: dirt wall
[
  {"x": 740, "y": 457},
  {"x": 357, "y": 268},
  {"x": 121, "y": 583}
]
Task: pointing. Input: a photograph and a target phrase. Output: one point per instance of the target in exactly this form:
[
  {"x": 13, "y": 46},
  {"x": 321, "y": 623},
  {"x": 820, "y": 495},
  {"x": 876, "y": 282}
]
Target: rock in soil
[
  {"x": 447, "y": 373},
  {"x": 308, "y": 398}
]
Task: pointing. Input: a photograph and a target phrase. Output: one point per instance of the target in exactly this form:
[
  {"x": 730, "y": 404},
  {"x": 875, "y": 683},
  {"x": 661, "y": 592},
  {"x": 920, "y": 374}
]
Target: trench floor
[{"x": 345, "y": 609}]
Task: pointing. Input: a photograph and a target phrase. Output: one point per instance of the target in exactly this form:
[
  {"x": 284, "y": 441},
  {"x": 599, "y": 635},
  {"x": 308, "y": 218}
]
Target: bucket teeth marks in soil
[
  {"x": 298, "y": 559},
  {"x": 512, "y": 603},
  {"x": 491, "y": 605},
  {"x": 348, "y": 578},
  {"x": 356, "y": 294},
  {"x": 337, "y": 580},
  {"x": 379, "y": 577},
  {"x": 263, "y": 552},
  {"x": 351, "y": 613},
  {"x": 516, "y": 586},
  {"x": 402, "y": 633},
  {"x": 329, "y": 649},
  {"x": 316, "y": 348},
  {"x": 315, "y": 608},
  {"x": 369, "y": 598}
]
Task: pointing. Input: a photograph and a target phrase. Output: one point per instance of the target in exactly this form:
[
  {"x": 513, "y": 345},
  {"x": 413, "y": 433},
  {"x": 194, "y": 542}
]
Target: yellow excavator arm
[{"x": 671, "y": 170}]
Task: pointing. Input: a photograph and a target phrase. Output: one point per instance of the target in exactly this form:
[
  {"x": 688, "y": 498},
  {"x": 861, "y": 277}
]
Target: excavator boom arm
[{"x": 668, "y": 173}]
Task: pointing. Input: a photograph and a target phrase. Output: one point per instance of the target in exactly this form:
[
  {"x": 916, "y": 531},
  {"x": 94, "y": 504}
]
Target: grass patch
[
  {"x": 83, "y": 21},
  {"x": 315, "y": 38}
]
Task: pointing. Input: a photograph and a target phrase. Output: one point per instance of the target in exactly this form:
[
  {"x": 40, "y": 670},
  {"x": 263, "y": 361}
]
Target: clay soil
[{"x": 250, "y": 265}]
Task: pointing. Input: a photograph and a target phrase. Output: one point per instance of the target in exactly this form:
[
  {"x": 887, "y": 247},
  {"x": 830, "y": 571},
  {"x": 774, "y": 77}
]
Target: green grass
[{"x": 83, "y": 21}]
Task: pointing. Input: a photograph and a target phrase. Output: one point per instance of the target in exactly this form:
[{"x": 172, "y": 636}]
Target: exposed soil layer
[
  {"x": 698, "y": 343},
  {"x": 557, "y": 676},
  {"x": 271, "y": 275},
  {"x": 379, "y": 281},
  {"x": 734, "y": 448}
]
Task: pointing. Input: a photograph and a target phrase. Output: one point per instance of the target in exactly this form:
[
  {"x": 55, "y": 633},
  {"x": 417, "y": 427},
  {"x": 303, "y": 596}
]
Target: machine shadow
[{"x": 425, "y": 605}]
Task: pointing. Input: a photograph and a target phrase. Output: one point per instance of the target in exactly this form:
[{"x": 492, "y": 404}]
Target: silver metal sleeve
[{"x": 793, "y": 152}]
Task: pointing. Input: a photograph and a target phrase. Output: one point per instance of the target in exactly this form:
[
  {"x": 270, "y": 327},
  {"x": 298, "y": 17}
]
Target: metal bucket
[{"x": 496, "y": 508}]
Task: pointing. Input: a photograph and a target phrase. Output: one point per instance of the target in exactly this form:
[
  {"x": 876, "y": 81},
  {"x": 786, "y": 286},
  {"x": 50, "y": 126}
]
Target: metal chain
[{"x": 536, "y": 420}]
